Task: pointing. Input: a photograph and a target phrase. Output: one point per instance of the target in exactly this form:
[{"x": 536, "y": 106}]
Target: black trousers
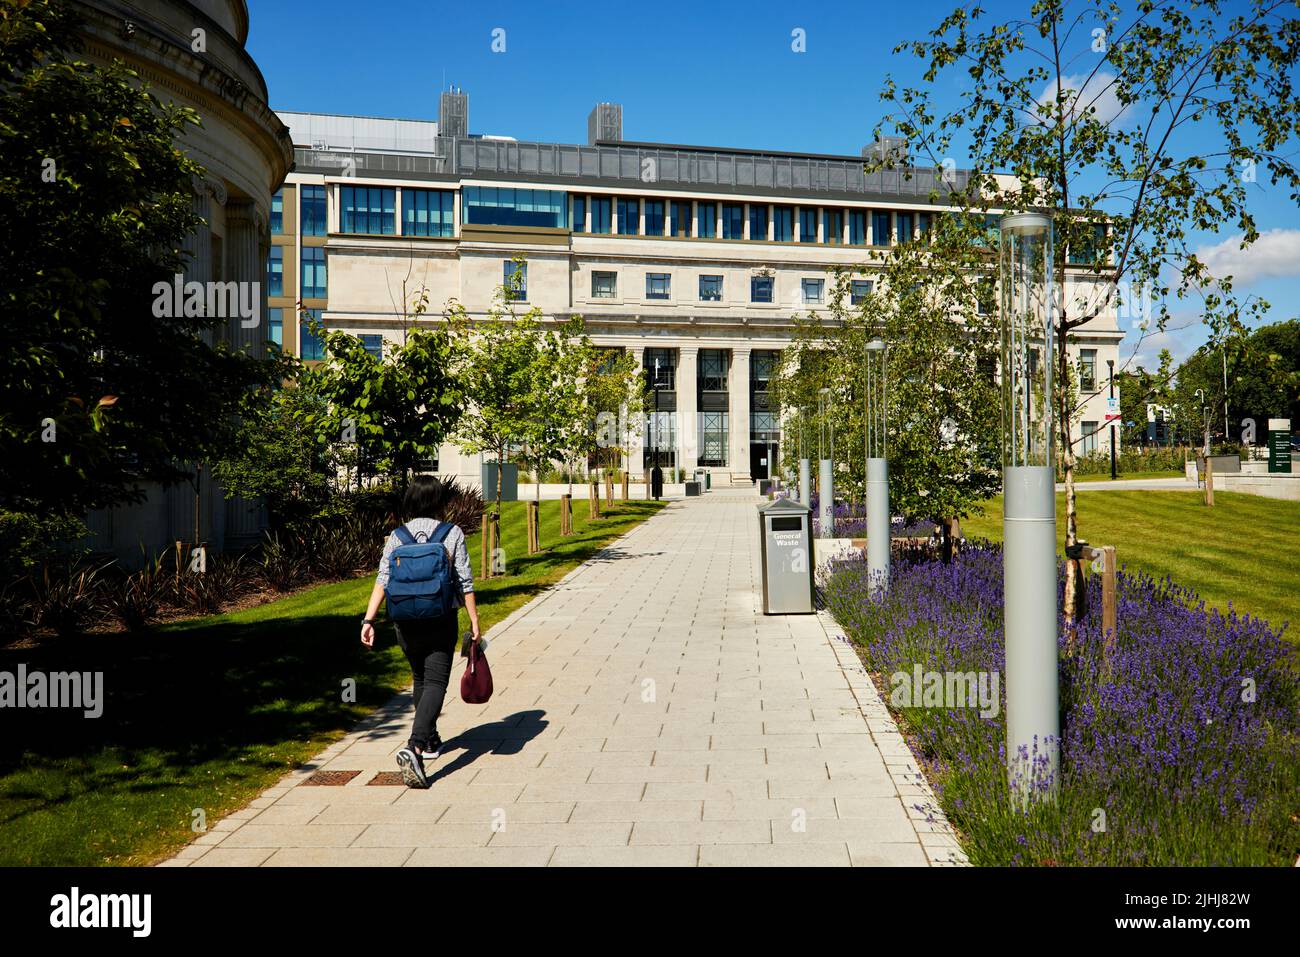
[{"x": 430, "y": 645}]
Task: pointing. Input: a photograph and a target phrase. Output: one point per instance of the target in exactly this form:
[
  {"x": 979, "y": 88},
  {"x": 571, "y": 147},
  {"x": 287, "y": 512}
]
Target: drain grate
[
  {"x": 387, "y": 779},
  {"x": 331, "y": 779}
]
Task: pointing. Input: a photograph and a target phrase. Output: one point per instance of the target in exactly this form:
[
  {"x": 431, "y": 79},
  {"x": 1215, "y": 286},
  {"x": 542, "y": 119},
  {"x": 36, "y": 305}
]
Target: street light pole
[
  {"x": 877, "y": 487},
  {"x": 1030, "y": 610},
  {"x": 1111, "y": 364},
  {"x": 826, "y": 490}
]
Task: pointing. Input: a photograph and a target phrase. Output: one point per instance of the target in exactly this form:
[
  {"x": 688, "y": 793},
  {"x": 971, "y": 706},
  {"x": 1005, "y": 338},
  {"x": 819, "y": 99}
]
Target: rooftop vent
[
  {"x": 453, "y": 114},
  {"x": 891, "y": 149},
  {"x": 605, "y": 122}
]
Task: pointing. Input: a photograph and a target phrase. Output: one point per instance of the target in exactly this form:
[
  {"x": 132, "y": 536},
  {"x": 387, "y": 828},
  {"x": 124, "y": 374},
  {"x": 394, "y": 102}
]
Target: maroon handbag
[{"x": 476, "y": 682}]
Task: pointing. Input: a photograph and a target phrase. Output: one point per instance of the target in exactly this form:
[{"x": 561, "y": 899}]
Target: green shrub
[
  {"x": 1157, "y": 459},
  {"x": 66, "y": 598},
  {"x": 136, "y": 598}
]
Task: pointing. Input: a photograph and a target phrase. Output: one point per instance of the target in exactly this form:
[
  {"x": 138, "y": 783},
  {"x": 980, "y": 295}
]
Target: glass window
[
  {"x": 604, "y": 285},
  {"x": 923, "y": 225},
  {"x": 660, "y": 369},
  {"x": 783, "y": 224},
  {"x": 1089, "y": 431},
  {"x": 760, "y": 288},
  {"x": 710, "y": 288},
  {"x": 881, "y": 228},
  {"x": 807, "y": 225},
  {"x": 275, "y": 271},
  {"x": 601, "y": 214},
  {"x": 707, "y": 214},
  {"x": 733, "y": 221},
  {"x": 428, "y": 212},
  {"x": 313, "y": 346},
  {"x": 579, "y": 214},
  {"x": 713, "y": 439},
  {"x": 275, "y": 326},
  {"x": 812, "y": 290},
  {"x": 314, "y": 222},
  {"x": 904, "y": 227},
  {"x": 629, "y": 216},
  {"x": 681, "y": 219},
  {"x": 507, "y": 206},
  {"x": 1086, "y": 252},
  {"x": 857, "y": 227},
  {"x": 859, "y": 289},
  {"x": 713, "y": 370},
  {"x": 373, "y": 343},
  {"x": 1088, "y": 369},
  {"x": 833, "y": 221},
  {"x": 657, "y": 285},
  {"x": 757, "y": 222},
  {"x": 367, "y": 209},
  {"x": 514, "y": 279},
  {"x": 277, "y": 213},
  {"x": 314, "y": 285},
  {"x": 654, "y": 217}
]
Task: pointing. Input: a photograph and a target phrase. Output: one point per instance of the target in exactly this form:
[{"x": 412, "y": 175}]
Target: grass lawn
[
  {"x": 1240, "y": 551},
  {"x": 207, "y": 713},
  {"x": 1128, "y": 476}
]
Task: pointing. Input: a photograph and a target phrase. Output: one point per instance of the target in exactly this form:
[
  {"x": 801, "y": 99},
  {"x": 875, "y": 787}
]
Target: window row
[
  {"x": 604, "y": 285},
  {"x": 372, "y": 211},
  {"x": 705, "y": 219}
]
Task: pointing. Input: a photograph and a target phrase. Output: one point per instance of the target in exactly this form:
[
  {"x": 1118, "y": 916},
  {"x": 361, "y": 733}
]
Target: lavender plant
[{"x": 1180, "y": 746}]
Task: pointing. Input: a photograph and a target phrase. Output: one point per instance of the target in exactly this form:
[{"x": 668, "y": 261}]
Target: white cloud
[
  {"x": 1275, "y": 253},
  {"x": 1095, "y": 91}
]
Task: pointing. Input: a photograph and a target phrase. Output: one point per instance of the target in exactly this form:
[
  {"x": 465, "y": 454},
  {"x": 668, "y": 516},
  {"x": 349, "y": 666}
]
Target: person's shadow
[{"x": 506, "y": 736}]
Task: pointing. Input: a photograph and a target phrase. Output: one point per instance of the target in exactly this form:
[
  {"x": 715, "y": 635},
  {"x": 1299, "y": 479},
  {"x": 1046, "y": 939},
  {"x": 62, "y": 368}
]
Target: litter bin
[
  {"x": 708, "y": 481},
  {"x": 692, "y": 488},
  {"x": 785, "y": 543}
]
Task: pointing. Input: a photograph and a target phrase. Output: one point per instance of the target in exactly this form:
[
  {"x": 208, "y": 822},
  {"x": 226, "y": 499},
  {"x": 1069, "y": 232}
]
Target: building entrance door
[{"x": 761, "y": 460}]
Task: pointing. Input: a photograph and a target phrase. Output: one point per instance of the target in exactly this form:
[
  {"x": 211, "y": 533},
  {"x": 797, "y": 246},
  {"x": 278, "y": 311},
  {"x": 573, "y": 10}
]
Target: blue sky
[{"x": 706, "y": 73}]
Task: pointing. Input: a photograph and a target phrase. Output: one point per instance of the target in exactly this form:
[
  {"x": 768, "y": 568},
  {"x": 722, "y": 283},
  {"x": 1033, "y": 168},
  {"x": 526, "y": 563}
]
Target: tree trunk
[{"x": 1073, "y": 597}]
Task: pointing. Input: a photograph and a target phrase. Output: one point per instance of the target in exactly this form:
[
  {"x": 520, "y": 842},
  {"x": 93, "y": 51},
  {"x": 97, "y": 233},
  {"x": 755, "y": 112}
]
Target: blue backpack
[{"x": 421, "y": 582}]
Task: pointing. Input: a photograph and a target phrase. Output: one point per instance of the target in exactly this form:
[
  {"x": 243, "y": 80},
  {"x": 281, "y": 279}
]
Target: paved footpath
[{"x": 646, "y": 713}]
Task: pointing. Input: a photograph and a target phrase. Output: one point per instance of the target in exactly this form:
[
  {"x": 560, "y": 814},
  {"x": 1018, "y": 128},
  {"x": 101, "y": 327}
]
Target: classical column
[
  {"x": 633, "y": 460},
  {"x": 246, "y": 245},
  {"x": 688, "y": 418},
  {"x": 738, "y": 425},
  {"x": 246, "y": 266}
]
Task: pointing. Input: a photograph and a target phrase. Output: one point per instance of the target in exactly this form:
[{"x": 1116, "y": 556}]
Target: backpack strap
[
  {"x": 404, "y": 535},
  {"x": 441, "y": 532}
]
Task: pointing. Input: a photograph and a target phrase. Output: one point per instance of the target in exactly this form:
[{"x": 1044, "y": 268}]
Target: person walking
[{"x": 424, "y": 575}]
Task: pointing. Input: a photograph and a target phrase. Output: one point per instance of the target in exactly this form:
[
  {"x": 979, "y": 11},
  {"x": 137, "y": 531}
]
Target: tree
[
  {"x": 500, "y": 359},
  {"x": 396, "y": 408},
  {"x": 279, "y": 460},
  {"x": 100, "y": 393},
  {"x": 931, "y": 306},
  {"x": 1090, "y": 111}
]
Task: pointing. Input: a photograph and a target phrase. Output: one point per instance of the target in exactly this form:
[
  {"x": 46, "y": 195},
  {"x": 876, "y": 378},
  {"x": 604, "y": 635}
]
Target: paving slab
[{"x": 646, "y": 714}]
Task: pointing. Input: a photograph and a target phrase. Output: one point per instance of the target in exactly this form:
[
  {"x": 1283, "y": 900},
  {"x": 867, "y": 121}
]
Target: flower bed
[{"x": 1182, "y": 749}]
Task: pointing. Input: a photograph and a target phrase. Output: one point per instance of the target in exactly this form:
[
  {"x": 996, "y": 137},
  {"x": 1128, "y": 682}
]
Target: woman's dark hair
[{"x": 424, "y": 498}]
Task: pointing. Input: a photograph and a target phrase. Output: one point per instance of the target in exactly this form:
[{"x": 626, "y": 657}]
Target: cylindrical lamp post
[
  {"x": 826, "y": 455},
  {"x": 877, "y": 477},
  {"x": 805, "y": 467},
  {"x": 1029, "y": 511}
]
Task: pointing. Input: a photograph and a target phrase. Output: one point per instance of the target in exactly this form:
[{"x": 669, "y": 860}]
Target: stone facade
[
  {"x": 246, "y": 152},
  {"x": 605, "y": 270}
]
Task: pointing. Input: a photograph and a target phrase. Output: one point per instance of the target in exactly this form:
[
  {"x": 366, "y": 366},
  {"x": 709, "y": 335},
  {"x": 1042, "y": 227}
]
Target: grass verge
[
  {"x": 205, "y": 714},
  {"x": 1236, "y": 553}
]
